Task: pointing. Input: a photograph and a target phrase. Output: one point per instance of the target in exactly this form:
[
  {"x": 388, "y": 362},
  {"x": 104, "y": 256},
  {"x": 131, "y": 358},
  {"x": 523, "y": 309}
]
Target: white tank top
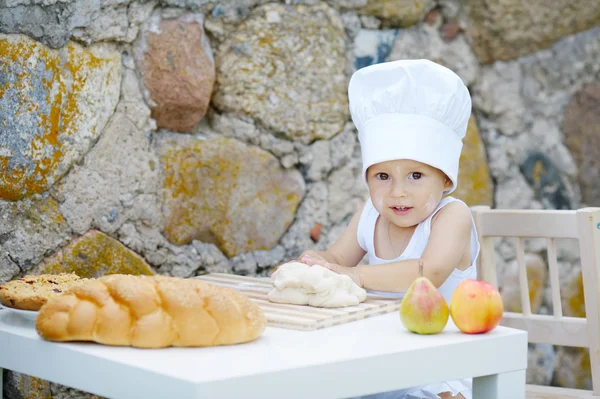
[{"x": 415, "y": 247}]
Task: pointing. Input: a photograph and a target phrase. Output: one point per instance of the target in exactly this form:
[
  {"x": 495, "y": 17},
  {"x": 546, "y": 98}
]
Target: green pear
[{"x": 423, "y": 309}]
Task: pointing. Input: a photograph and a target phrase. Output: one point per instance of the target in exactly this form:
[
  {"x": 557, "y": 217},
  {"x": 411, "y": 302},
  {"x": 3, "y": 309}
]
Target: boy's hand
[
  {"x": 351, "y": 272},
  {"x": 312, "y": 258}
]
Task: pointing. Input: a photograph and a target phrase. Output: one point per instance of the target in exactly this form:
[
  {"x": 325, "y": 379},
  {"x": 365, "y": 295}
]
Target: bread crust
[
  {"x": 33, "y": 291},
  {"x": 151, "y": 312}
]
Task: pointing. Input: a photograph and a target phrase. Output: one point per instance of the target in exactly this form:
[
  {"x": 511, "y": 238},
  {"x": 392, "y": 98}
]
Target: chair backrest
[{"x": 556, "y": 329}]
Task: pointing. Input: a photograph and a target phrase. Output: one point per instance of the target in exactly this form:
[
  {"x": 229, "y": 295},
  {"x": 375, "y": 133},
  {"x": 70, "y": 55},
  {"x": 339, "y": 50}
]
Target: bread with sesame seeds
[
  {"x": 33, "y": 291},
  {"x": 151, "y": 312}
]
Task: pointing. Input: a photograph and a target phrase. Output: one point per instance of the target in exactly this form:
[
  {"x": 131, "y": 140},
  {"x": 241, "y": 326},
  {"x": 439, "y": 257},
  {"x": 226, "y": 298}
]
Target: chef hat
[{"x": 410, "y": 109}]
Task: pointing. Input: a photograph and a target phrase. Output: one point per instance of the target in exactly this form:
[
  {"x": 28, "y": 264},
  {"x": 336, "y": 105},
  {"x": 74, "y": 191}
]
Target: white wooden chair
[{"x": 556, "y": 329}]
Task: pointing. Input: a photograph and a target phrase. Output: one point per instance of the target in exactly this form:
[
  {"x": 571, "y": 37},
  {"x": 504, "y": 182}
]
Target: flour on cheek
[
  {"x": 431, "y": 204},
  {"x": 378, "y": 202}
]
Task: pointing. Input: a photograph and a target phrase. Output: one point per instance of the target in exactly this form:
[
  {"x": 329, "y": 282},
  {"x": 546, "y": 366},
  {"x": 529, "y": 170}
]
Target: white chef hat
[{"x": 410, "y": 109}]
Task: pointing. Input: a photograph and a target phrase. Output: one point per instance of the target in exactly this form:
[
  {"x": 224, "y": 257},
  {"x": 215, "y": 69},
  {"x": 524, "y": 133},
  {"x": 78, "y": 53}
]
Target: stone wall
[{"x": 188, "y": 136}]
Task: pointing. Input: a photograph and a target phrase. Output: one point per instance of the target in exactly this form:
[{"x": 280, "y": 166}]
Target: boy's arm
[
  {"x": 450, "y": 234},
  {"x": 345, "y": 251}
]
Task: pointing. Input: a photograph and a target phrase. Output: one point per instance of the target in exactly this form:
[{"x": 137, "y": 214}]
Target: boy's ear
[{"x": 447, "y": 183}]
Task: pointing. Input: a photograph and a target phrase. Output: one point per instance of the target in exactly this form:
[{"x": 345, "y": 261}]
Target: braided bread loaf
[{"x": 150, "y": 312}]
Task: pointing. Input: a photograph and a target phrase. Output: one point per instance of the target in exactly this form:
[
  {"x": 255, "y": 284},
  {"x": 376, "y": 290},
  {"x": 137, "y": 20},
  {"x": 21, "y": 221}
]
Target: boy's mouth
[{"x": 401, "y": 209}]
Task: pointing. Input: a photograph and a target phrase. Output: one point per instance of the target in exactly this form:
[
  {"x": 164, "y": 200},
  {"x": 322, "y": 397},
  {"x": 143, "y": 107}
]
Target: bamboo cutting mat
[{"x": 297, "y": 317}]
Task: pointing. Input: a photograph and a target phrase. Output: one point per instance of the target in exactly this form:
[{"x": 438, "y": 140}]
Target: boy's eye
[
  {"x": 416, "y": 175},
  {"x": 382, "y": 176}
]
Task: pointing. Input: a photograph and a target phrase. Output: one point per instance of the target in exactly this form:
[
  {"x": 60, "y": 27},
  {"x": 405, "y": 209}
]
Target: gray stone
[
  {"x": 288, "y": 75},
  {"x": 319, "y": 161},
  {"x": 119, "y": 178},
  {"x": 582, "y": 135},
  {"x": 553, "y": 76},
  {"x": 502, "y": 30},
  {"x": 289, "y": 160},
  {"x": 499, "y": 149},
  {"x": 107, "y": 22},
  {"x": 243, "y": 129},
  {"x": 8, "y": 268},
  {"x": 452, "y": 9},
  {"x": 535, "y": 245},
  {"x": 267, "y": 259},
  {"x": 568, "y": 249},
  {"x": 184, "y": 261},
  {"x": 425, "y": 41},
  {"x": 313, "y": 209},
  {"x": 343, "y": 146},
  {"x": 190, "y": 4},
  {"x": 256, "y": 262},
  {"x": 541, "y": 361},
  {"x": 498, "y": 94},
  {"x": 31, "y": 230},
  {"x": 213, "y": 260},
  {"x": 514, "y": 193},
  {"x": 115, "y": 20},
  {"x": 547, "y": 182},
  {"x": 14, "y": 3},
  {"x": 372, "y": 46},
  {"x": 501, "y": 267},
  {"x": 545, "y": 136},
  {"x": 228, "y": 11},
  {"x": 180, "y": 261},
  {"x": 351, "y": 23},
  {"x": 244, "y": 264},
  {"x": 347, "y": 191},
  {"x": 49, "y": 23},
  {"x": 369, "y": 22},
  {"x": 505, "y": 247},
  {"x": 55, "y": 22},
  {"x": 344, "y": 4}
]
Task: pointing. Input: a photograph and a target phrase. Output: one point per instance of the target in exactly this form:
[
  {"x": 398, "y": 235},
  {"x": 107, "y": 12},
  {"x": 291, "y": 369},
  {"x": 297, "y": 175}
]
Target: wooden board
[{"x": 297, "y": 317}]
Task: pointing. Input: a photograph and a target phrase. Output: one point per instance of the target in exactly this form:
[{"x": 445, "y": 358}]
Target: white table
[{"x": 362, "y": 357}]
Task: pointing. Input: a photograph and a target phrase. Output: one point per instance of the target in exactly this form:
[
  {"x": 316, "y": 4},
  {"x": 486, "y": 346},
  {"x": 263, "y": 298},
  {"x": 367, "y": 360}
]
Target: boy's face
[{"x": 406, "y": 192}]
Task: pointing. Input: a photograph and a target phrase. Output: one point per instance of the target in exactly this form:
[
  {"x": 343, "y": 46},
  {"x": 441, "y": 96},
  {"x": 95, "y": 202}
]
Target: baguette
[{"x": 150, "y": 312}]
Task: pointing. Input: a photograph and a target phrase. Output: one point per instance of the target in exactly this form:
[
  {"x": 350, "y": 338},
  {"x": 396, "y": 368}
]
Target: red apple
[{"x": 476, "y": 307}]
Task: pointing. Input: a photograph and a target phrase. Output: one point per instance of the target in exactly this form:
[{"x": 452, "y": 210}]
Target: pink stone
[{"x": 179, "y": 72}]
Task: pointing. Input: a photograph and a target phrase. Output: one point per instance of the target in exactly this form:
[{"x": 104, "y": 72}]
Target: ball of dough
[{"x": 301, "y": 284}]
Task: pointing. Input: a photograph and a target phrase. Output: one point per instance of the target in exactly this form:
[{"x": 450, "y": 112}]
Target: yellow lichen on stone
[
  {"x": 576, "y": 359},
  {"x": 401, "y": 13},
  {"x": 45, "y": 149},
  {"x": 81, "y": 65},
  {"x": 574, "y": 297},
  {"x": 227, "y": 193},
  {"x": 474, "y": 181},
  {"x": 35, "y": 388},
  {"x": 46, "y": 95},
  {"x": 288, "y": 76},
  {"x": 32, "y": 387},
  {"x": 573, "y": 368},
  {"x": 95, "y": 254},
  {"x": 536, "y": 278},
  {"x": 41, "y": 212}
]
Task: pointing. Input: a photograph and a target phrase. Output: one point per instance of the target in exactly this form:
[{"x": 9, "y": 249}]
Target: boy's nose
[{"x": 398, "y": 190}]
